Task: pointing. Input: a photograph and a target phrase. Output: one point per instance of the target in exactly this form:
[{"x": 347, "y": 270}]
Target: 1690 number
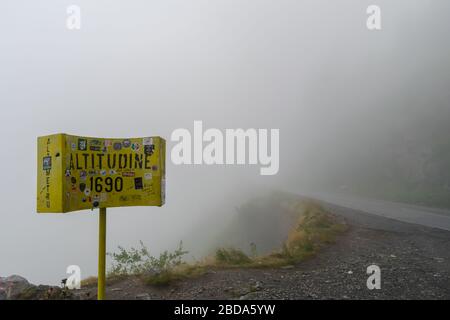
[{"x": 108, "y": 184}]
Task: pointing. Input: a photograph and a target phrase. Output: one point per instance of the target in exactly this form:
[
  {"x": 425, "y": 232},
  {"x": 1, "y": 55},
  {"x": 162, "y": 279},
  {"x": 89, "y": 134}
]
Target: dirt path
[{"x": 414, "y": 262}]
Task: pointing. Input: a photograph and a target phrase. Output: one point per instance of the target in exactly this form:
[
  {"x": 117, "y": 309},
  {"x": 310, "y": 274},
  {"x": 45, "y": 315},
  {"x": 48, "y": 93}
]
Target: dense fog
[{"x": 359, "y": 111}]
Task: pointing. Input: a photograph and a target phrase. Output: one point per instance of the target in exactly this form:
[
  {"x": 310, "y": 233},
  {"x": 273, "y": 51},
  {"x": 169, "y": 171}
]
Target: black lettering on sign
[
  {"x": 118, "y": 184},
  {"x": 123, "y": 161},
  {"x": 109, "y": 184},
  {"x": 138, "y": 161},
  {"x": 100, "y": 158},
  {"x": 71, "y": 165},
  {"x": 85, "y": 155},
  {"x": 78, "y": 163},
  {"x": 147, "y": 162},
  {"x": 111, "y": 164}
]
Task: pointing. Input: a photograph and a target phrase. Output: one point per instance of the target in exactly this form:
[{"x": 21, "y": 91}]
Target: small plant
[{"x": 139, "y": 261}]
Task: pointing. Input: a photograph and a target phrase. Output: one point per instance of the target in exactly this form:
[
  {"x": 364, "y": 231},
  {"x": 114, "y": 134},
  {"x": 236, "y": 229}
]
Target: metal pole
[{"x": 101, "y": 254}]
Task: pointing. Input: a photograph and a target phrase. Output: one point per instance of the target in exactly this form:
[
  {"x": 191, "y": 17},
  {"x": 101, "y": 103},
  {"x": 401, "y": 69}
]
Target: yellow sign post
[
  {"x": 101, "y": 254},
  {"x": 78, "y": 173}
]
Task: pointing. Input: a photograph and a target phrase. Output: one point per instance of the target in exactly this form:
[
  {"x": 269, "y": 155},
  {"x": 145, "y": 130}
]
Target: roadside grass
[
  {"x": 110, "y": 278},
  {"x": 184, "y": 271},
  {"x": 314, "y": 229},
  {"x": 231, "y": 256},
  {"x": 89, "y": 282}
]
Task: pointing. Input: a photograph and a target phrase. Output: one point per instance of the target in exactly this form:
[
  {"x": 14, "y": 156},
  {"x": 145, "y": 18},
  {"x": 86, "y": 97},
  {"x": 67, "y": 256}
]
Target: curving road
[{"x": 429, "y": 217}]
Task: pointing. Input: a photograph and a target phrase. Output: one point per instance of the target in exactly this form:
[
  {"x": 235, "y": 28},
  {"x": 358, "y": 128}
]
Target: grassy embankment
[{"x": 314, "y": 228}]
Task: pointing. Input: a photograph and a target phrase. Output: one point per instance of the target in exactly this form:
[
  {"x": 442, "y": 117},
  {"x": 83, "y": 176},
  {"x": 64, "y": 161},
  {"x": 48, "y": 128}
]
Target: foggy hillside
[{"x": 411, "y": 165}]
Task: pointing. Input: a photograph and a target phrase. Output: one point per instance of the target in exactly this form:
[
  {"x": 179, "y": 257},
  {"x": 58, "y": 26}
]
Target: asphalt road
[{"x": 424, "y": 216}]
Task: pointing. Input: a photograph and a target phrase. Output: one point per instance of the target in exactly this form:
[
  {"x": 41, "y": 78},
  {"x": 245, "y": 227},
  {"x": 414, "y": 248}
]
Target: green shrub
[{"x": 139, "y": 261}]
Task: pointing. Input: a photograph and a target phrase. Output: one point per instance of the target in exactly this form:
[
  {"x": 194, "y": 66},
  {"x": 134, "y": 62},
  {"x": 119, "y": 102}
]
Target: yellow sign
[{"x": 77, "y": 173}]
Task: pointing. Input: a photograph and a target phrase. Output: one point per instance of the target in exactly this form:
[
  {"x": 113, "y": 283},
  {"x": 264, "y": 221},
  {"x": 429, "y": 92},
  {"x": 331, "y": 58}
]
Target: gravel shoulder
[{"x": 414, "y": 263}]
